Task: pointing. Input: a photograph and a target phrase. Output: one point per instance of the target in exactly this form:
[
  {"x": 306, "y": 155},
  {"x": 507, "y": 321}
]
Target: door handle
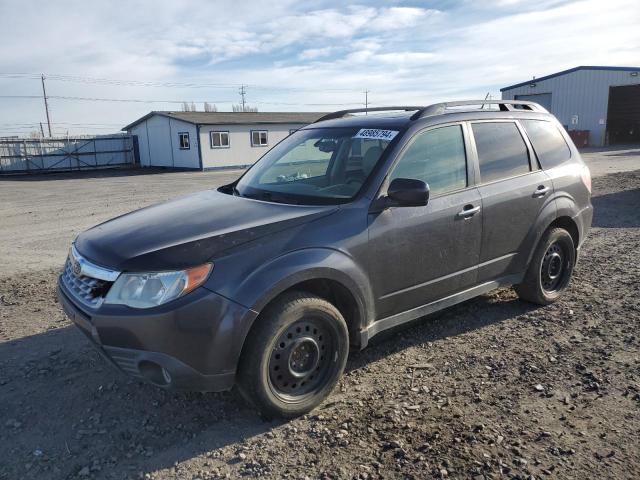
[
  {"x": 468, "y": 211},
  {"x": 541, "y": 191}
]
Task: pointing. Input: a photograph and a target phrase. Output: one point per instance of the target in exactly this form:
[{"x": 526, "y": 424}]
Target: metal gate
[{"x": 29, "y": 155}]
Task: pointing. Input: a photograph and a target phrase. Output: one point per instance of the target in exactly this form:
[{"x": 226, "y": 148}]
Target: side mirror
[{"x": 408, "y": 192}]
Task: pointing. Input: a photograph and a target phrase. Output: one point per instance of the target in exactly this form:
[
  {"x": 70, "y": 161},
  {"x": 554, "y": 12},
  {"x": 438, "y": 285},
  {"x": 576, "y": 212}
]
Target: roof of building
[
  {"x": 571, "y": 70},
  {"x": 235, "y": 118}
]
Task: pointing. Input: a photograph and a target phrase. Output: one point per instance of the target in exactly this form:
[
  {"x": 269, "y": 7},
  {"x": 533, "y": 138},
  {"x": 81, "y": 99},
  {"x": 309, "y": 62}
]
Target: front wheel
[
  {"x": 294, "y": 356},
  {"x": 550, "y": 269}
]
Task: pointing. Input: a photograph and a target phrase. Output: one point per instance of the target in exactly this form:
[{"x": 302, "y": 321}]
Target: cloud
[
  {"x": 292, "y": 55},
  {"x": 313, "y": 53}
]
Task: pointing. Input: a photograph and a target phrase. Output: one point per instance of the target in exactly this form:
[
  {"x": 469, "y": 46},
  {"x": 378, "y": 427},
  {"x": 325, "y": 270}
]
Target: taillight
[{"x": 586, "y": 177}]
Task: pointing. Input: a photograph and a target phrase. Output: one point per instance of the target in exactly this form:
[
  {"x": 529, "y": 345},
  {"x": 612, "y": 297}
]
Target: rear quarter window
[{"x": 549, "y": 144}]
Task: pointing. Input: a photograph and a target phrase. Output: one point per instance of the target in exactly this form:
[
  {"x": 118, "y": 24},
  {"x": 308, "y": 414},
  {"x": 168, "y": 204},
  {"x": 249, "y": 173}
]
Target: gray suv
[{"x": 350, "y": 226}]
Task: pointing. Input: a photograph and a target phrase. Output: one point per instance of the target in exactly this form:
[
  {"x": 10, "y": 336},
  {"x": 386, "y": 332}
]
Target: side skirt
[{"x": 415, "y": 313}]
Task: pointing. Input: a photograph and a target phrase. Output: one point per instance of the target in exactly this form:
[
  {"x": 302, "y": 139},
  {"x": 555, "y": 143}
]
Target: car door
[
  {"x": 514, "y": 190},
  {"x": 421, "y": 254}
]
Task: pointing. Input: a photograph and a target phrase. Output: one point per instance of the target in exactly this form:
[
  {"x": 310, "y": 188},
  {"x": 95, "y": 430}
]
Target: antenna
[
  {"x": 366, "y": 101},
  {"x": 486, "y": 97}
]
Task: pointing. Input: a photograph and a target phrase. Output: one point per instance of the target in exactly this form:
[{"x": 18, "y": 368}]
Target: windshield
[{"x": 316, "y": 166}]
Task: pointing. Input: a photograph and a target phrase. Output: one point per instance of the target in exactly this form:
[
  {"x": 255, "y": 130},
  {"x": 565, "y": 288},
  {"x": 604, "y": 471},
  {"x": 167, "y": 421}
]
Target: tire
[
  {"x": 294, "y": 355},
  {"x": 550, "y": 270}
]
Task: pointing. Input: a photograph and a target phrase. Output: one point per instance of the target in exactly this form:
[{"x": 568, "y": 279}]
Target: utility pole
[
  {"x": 41, "y": 130},
  {"x": 46, "y": 105},
  {"x": 242, "y": 94},
  {"x": 366, "y": 101}
]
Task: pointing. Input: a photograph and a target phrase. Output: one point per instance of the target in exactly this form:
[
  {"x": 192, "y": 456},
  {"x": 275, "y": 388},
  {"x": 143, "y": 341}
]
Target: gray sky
[{"x": 292, "y": 55}]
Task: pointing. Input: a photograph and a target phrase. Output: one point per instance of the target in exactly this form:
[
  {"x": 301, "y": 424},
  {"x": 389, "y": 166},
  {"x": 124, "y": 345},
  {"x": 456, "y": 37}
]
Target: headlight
[{"x": 146, "y": 290}]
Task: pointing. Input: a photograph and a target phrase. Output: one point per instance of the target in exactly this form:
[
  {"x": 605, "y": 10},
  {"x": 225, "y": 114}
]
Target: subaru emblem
[{"x": 75, "y": 266}]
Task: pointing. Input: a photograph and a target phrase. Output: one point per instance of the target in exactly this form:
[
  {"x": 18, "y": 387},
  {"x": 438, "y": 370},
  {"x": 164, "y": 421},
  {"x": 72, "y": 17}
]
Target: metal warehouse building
[
  {"x": 202, "y": 140},
  {"x": 597, "y": 105}
]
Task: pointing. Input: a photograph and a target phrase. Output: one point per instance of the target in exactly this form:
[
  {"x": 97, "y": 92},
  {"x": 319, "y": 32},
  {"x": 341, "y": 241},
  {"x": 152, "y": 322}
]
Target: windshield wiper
[{"x": 274, "y": 197}]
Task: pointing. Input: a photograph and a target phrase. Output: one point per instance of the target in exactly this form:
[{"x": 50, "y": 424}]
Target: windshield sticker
[{"x": 375, "y": 134}]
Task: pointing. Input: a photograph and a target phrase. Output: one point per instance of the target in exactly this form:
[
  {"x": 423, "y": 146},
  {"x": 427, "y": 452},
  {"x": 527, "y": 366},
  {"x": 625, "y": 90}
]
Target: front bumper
[{"x": 192, "y": 343}]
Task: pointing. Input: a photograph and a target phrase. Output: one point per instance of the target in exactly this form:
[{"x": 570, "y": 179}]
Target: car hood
[{"x": 188, "y": 231}]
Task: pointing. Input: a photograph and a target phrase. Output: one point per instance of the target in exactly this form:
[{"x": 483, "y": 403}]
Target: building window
[
  {"x": 183, "y": 138},
  {"x": 259, "y": 138},
  {"x": 219, "y": 139}
]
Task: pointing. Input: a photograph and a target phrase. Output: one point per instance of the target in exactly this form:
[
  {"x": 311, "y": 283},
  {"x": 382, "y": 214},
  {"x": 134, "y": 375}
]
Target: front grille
[{"x": 90, "y": 291}]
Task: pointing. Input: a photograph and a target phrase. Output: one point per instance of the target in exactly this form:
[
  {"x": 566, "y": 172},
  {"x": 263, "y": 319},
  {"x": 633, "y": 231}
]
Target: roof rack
[
  {"x": 440, "y": 108},
  {"x": 503, "y": 105},
  {"x": 342, "y": 113}
]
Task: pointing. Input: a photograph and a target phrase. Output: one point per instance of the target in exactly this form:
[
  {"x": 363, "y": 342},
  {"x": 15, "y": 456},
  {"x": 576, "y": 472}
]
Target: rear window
[
  {"x": 502, "y": 152},
  {"x": 548, "y": 142}
]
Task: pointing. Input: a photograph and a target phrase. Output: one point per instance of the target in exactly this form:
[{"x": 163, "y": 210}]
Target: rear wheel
[
  {"x": 294, "y": 356},
  {"x": 550, "y": 270}
]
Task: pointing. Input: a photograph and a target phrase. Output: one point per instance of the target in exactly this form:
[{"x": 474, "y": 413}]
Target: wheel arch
[
  {"x": 569, "y": 224},
  {"x": 563, "y": 221},
  {"x": 329, "y": 274},
  {"x": 335, "y": 293}
]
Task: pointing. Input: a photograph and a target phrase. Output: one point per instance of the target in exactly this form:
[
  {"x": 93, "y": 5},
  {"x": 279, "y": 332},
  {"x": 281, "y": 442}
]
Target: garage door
[
  {"x": 623, "y": 115},
  {"x": 543, "y": 99}
]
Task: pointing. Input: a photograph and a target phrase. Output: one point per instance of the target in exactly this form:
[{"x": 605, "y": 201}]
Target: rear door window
[
  {"x": 502, "y": 152},
  {"x": 549, "y": 144}
]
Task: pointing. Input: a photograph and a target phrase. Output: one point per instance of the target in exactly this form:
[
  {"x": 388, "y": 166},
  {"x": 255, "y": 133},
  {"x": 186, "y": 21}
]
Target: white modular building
[{"x": 208, "y": 140}]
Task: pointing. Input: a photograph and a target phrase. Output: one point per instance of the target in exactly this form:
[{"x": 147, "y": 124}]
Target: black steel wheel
[
  {"x": 550, "y": 269},
  {"x": 553, "y": 268},
  {"x": 294, "y": 355},
  {"x": 301, "y": 359}
]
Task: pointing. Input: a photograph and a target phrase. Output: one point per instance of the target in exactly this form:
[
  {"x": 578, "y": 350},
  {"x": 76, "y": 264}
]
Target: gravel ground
[{"x": 492, "y": 388}]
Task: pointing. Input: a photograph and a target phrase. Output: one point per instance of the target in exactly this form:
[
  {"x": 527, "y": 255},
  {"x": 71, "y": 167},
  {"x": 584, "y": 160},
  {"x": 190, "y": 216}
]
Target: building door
[
  {"x": 543, "y": 99},
  {"x": 136, "y": 150},
  {"x": 623, "y": 116}
]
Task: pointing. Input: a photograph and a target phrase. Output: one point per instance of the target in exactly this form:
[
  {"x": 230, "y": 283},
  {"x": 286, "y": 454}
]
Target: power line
[
  {"x": 27, "y": 124},
  {"x": 137, "y": 100},
  {"x": 21, "y": 96},
  {"x": 150, "y": 83},
  {"x": 37, "y": 127},
  {"x": 96, "y": 99}
]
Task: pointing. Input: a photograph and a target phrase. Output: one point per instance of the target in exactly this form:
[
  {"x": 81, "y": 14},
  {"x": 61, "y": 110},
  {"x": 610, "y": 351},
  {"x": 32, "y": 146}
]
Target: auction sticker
[{"x": 376, "y": 134}]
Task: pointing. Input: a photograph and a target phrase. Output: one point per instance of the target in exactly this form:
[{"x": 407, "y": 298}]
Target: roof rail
[
  {"x": 503, "y": 105},
  {"x": 342, "y": 113}
]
